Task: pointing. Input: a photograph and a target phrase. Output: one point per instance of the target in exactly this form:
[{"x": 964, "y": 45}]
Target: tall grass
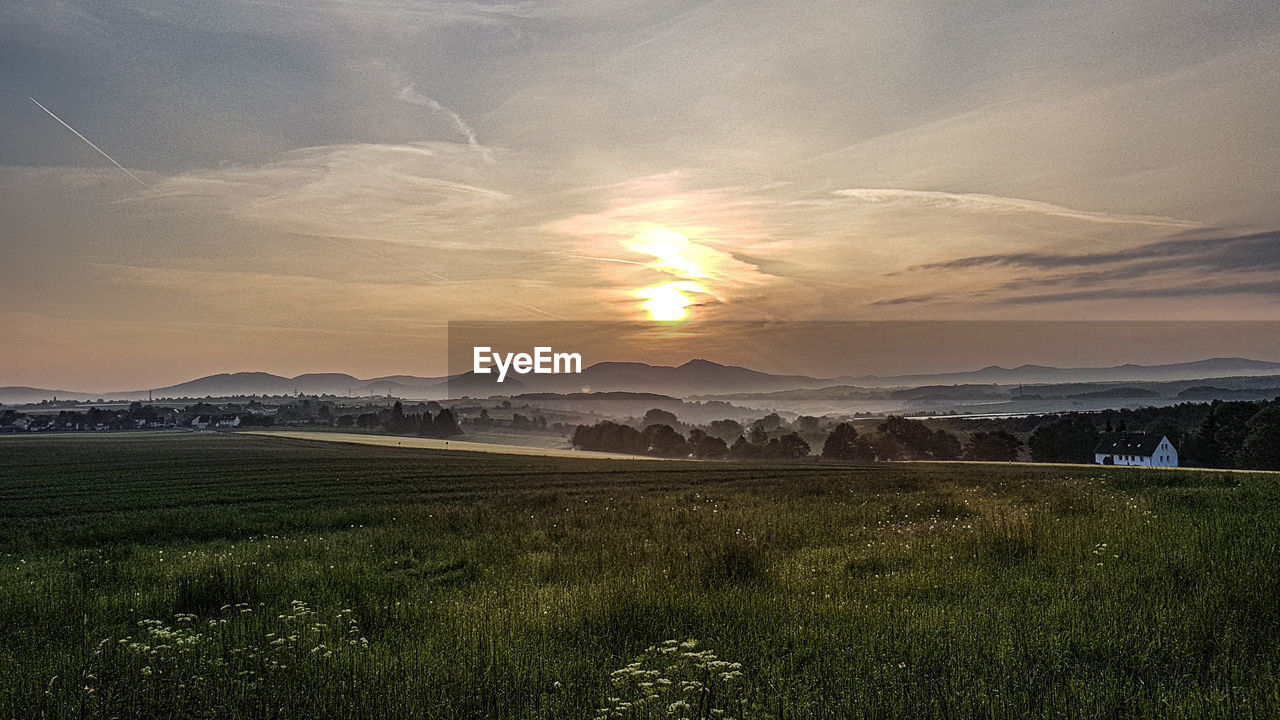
[{"x": 215, "y": 576}]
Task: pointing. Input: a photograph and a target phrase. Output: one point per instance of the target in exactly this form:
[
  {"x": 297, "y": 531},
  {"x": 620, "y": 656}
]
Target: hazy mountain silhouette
[
  {"x": 1215, "y": 367},
  {"x": 696, "y": 377}
]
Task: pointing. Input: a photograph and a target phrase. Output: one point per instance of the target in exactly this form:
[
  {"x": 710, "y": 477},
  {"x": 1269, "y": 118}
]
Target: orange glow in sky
[
  {"x": 669, "y": 302},
  {"x": 667, "y": 246}
]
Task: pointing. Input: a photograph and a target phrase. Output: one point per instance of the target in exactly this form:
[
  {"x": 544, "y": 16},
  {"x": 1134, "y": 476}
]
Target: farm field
[
  {"x": 492, "y": 443},
  {"x": 233, "y": 576}
]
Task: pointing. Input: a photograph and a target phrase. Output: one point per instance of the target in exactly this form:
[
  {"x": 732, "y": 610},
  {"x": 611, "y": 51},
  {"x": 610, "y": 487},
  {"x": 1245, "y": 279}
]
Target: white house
[{"x": 1136, "y": 449}]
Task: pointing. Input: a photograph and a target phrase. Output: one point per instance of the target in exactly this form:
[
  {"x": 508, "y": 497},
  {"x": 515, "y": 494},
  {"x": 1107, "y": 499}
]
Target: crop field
[{"x": 224, "y": 576}]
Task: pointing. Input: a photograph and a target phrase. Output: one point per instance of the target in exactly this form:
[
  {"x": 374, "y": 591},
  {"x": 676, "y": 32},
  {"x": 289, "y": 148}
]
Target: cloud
[
  {"x": 994, "y": 204},
  {"x": 909, "y": 300},
  {"x": 1268, "y": 289},
  {"x": 1181, "y": 270},
  {"x": 409, "y": 95},
  {"x": 425, "y": 193},
  {"x": 1253, "y": 252}
]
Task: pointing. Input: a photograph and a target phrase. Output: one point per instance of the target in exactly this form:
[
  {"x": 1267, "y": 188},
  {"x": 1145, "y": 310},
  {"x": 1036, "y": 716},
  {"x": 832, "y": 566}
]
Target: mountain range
[{"x": 696, "y": 377}]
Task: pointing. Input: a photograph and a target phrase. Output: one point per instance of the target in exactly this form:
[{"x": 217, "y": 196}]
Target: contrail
[
  {"x": 101, "y": 152},
  {"x": 410, "y": 95}
]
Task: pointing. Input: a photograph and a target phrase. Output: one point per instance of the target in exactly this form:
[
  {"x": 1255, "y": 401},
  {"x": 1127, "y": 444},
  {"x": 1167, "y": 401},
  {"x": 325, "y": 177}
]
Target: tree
[
  {"x": 664, "y": 441},
  {"x": 768, "y": 423},
  {"x": 807, "y": 423},
  {"x": 1071, "y": 439},
  {"x": 1230, "y": 430},
  {"x": 726, "y": 430},
  {"x": 658, "y": 416},
  {"x": 885, "y": 448},
  {"x": 609, "y": 437},
  {"x": 945, "y": 446},
  {"x": 907, "y": 439},
  {"x": 709, "y": 447},
  {"x": 1261, "y": 447},
  {"x": 743, "y": 450},
  {"x": 445, "y": 424},
  {"x": 396, "y": 423},
  {"x": 842, "y": 443},
  {"x": 998, "y": 446},
  {"x": 790, "y": 446}
]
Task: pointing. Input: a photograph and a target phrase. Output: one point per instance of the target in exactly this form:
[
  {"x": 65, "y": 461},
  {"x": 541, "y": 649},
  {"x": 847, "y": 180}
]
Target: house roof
[{"x": 1129, "y": 444}]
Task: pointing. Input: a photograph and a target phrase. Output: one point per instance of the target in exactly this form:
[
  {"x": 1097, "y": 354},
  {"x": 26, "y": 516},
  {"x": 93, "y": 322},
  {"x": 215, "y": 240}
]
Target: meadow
[{"x": 224, "y": 576}]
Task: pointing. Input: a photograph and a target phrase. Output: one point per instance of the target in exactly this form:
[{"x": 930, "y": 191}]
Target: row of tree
[
  {"x": 662, "y": 440},
  {"x": 397, "y": 422},
  {"x": 899, "y": 438},
  {"x": 1219, "y": 435}
]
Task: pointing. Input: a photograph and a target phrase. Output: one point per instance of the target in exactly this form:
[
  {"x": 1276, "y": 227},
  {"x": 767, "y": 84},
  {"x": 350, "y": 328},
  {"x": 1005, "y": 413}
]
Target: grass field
[
  {"x": 489, "y": 443},
  {"x": 203, "y": 576}
]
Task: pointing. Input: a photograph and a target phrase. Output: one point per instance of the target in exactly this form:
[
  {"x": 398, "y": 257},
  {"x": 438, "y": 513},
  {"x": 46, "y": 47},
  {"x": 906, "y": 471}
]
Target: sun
[
  {"x": 675, "y": 255},
  {"x": 668, "y": 303}
]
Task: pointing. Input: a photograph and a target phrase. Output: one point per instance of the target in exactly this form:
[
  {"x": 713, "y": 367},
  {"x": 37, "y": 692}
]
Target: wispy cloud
[
  {"x": 993, "y": 204},
  {"x": 1267, "y": 289},
  {"x": 1232, "y": 253},
  {"x": 410, "y": 95},
  {"x": 1179, "y": 269}
]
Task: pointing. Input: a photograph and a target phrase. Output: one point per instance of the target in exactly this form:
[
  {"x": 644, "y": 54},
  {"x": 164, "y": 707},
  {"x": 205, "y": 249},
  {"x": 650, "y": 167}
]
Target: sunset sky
[{"x": 322, "y": 186}]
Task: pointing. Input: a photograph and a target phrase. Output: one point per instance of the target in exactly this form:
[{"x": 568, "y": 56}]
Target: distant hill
[
  {"x": 1041, "y": 374},
  {"x": 340, "y": 384},
  {"x": 694, "y": 378},
  {"x": 250, "y": 384},
  {"x": 19, "y": 395}
]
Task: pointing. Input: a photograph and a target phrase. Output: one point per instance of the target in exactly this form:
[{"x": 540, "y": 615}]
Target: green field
[{"x": 203, "y": 576}]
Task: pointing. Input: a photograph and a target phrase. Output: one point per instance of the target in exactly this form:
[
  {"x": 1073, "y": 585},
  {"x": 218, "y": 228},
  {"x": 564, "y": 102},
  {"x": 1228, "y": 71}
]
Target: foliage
[
  {"x": 224, "y": 665},
  {"x": 998, "y": 446},
  {"x": 609, "y": 436},
  {"x": 1070, "y": 439},
  {"x": 664, "y": 441},
  {"x": 658, "y": 416},
  {"x": 673, "y": 680},
  {"x": 844, "y": 443},
  {"x": 905, "y": 439},
  {"x": 1261, "y": 446},
  {"x": 707, "y": 447}
]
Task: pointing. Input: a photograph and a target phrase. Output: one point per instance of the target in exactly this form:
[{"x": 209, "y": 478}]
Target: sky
[{"x": 324, "y": 185}]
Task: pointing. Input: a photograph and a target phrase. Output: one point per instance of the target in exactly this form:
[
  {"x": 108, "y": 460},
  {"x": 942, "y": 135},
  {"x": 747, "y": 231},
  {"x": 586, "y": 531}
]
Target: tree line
[
  {"x": 1232, "y": 434},
  {"x": 897, "y": 438},
  {"x": 397, "y": 422},
  {"x": 900, "y": 438},
  {"x": 662, "y": 440}
]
